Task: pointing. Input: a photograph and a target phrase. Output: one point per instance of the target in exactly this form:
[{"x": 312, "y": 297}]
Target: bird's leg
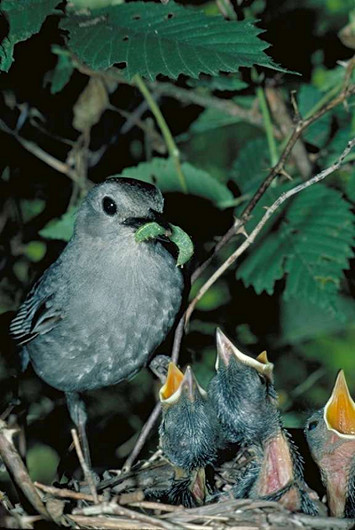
[{"x": 78, "y": 414}]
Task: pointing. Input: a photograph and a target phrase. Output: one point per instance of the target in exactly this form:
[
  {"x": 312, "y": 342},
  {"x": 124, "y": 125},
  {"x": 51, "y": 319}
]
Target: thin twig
[
  {"x": 269, "y": 212},
  {"x": 142, "y": 437},
  {"x": 112, "y": 508},
  {"x": 84, "y": 467},
  {"x": 17, "y": 469},
  {"x": 300, "y": 127},
  {"x": 284, "y": 121},
  {"x": 48, "y": 159},
  {"x": 168, "y": 137},
  {"x": 64, "y": 493},
  {"x": 268, "y": 125}
]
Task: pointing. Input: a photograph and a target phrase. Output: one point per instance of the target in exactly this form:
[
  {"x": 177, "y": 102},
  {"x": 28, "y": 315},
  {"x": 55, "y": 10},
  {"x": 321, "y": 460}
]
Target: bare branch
[
  {"x": 142, "y": 438},
  {"x": 300, "y": 127},
  {"x": 269, "y": 212},
  {"x": 17, "y": 469}
]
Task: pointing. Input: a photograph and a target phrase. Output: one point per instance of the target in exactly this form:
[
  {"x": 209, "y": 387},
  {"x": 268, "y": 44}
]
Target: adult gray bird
[{"x": 98, "y": 313}]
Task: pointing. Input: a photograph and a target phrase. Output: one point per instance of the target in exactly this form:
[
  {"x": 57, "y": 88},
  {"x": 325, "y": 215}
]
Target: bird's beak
[
  {"x": 226, "y": 349},
  {"x": 178, "y": 383},
  {"x": 153, "y": 216},
  {"x": 339, "y": 412},
  {"x": 172, "y": 383},
  {"x": 190, "y": 386}
]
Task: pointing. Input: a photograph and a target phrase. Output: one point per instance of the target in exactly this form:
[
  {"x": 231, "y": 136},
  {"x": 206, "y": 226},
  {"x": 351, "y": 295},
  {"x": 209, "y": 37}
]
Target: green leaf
[
  {"x": 151, "y": 38},
  {"x": 162, "y": 172},
  {"x": 184, "y": 244},
  {"x": 35, "y": 250},
  {"x": 221, "y": 82},
  {"x": 30, "y": 209},
  {"x": 251, "y": 166},
  {"x": 312, "y": 248},
  {"x": 61, "y": 228},
  {"x": 264, "y": 266},
  {"x": 61, "y": 74},
  {"x": 302, "y": 321},
  {"x": 42, "y": 462},
  {"x": 25, "y": 18},
  {"x": 249, "y": 171},
  {"x": 317, "y": 133}
]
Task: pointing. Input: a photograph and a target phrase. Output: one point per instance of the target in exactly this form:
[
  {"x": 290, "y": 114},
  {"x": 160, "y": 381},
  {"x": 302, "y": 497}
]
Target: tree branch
[
  {"x": 297, "y": 132},
  {"x": 17, "y": 469},
  {"x": 270, "y": 211}
]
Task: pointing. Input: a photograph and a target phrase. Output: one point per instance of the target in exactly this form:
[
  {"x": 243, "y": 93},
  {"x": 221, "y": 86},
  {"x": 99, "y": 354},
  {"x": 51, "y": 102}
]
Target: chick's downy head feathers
[
  {"x": 243, "y": 394},
  {"x": 188, "y": 429}
]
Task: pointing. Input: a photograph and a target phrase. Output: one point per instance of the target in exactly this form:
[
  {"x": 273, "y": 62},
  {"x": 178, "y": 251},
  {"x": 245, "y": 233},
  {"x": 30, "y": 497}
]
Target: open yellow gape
[{"x": 339, "y": 412}]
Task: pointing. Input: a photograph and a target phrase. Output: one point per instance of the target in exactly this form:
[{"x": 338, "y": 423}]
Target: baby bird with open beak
[
  {"x": 330, "y": 434},
  {"x": 188, "y": 435},
  {"x": 245, "y": 402}
]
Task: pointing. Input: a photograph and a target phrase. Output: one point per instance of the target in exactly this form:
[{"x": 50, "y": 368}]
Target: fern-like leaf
[{"x": 312, "y": 248}]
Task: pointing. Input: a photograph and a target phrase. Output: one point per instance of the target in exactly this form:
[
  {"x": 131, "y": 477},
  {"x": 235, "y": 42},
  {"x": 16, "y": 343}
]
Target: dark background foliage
[{"x": 307, "y": 341}]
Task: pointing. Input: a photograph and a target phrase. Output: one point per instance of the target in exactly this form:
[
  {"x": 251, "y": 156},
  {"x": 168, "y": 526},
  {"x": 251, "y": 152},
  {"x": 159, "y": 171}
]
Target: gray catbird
[
  {"x": 330, "y": 434},
  {"x": 97, "y": 314}
]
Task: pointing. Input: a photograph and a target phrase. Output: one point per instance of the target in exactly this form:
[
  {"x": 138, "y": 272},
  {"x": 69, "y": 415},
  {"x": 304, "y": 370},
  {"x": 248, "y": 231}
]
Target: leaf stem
[
  {"x": 169, "y": 140},
  {"x": 268, "y": 125}
]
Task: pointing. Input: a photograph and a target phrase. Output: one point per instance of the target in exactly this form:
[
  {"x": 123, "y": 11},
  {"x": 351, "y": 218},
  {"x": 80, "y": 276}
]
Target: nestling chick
[
  {"x": 98, "y": 313},
  {"x": 188, "y": 435},
  {"x": 242, "y": 394},
  {"x": 245, "y": 401},
  {"x": 330, "y": 434}
]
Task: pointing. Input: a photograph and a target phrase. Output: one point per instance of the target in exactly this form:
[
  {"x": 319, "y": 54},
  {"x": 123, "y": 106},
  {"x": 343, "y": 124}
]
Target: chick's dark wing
[{"x": 37, "y": 315}]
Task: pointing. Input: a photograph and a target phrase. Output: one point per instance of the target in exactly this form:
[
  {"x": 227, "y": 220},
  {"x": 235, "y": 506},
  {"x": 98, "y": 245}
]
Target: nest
[{"x": 119, "y": 501}]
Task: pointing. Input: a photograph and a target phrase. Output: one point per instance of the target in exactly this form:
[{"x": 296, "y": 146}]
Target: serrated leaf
[
  {"x": 61, "y": 228},
  {"x": 162, "y": 172},
  {"x": 25, "y": 18},
  {"x": 150, "y": 39},
  {"x": 315, "y": 244},
  {"x": 61, "y": 74},
  {"x": 221, "y": 82},
  {"x": 264, "y": 266},
  {"x": 251, "y": 165},
  {"x": 317, "y": 133},
  {"x": 249, "y": 171}
]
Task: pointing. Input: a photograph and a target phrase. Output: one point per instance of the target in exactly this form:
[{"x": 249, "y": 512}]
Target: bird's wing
[{"x": 37, "y": 315}]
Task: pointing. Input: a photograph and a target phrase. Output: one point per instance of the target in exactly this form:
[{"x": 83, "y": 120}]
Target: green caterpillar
[{"x": 180, "y": 238}]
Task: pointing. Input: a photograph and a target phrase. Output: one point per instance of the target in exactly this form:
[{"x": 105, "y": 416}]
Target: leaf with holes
[
  {"x": 150, "y": 39},
  {"x": 25, "y": 18},
  {"x": 313, "y": 248},
  {"x": 162, "y": 172}
]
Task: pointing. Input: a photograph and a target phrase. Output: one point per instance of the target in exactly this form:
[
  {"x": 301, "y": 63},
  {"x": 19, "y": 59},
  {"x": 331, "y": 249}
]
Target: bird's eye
[
  {"x": 312, "y": 425},
  {"x": 109, "y": 206}
]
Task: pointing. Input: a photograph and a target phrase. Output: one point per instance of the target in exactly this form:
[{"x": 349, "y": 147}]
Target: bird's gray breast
[{"x": 118, "y": 306}]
